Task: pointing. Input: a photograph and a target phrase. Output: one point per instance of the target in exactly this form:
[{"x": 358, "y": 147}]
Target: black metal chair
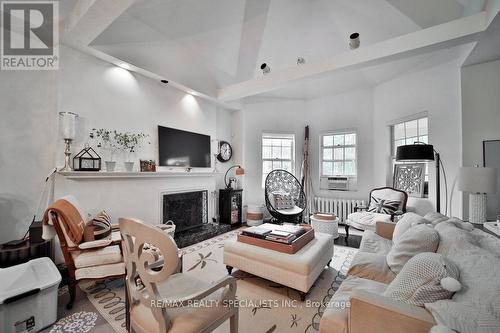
[{"x": 281, "y": 181}]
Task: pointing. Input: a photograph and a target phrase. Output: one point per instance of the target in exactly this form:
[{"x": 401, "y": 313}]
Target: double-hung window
[
  {"x": 408, "y": 133},
  {"x": 278, "y": 152},
  {"x": 338, "y": 154}
]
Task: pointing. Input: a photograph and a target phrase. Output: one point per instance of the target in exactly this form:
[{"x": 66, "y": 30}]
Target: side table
[{"x": 14, "y": 255}]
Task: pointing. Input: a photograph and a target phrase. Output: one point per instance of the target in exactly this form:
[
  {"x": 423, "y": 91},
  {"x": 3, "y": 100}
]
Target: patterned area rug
[{"x": 264, "y": 305}]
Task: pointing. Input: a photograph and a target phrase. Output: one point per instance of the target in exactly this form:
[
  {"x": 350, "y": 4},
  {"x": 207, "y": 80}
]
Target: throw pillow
[
  {"x": 283, "y": 201},
  {"x": 419, "y": 238},
  {"x": 383, "y": 206},
  {"x": 406, "y": 222},
  {"x": 99, "y": 227},
  {"x": 425, "y": 278},
  {"x": 435, "y": 217}
]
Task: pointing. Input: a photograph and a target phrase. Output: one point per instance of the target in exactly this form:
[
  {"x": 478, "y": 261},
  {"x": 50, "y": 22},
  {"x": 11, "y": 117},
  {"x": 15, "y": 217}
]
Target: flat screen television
[{"x": 183, "y": 149}]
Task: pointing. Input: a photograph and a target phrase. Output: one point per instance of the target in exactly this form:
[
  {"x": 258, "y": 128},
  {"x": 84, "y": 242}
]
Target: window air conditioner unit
[{"x": 334, "y": 183}]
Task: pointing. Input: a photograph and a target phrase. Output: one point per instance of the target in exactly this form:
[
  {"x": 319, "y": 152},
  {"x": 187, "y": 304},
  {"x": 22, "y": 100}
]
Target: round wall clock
[{"x": 225, "y": 151}]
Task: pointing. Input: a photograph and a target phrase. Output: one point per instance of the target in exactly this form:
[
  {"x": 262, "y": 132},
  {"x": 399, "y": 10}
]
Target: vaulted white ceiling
[{"x": 209, "y": 45}]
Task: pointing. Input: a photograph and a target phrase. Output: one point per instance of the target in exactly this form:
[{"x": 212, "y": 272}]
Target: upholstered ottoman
[{"x": 297, "y": 271}]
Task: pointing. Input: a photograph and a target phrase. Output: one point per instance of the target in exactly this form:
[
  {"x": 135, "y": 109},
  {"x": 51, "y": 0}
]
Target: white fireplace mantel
[
  {"x": 132, "y": 194},
  {"x": 94, "y": 175}
]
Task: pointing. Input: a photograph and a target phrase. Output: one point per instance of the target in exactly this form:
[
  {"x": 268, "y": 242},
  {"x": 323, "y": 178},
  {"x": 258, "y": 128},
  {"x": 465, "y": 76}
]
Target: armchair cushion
[
  {"x": 94, "y": 244},
  {"x": 366, "y": 220},
  {"x": 391, "y": 195},
  {"x": 187, "y": 318},
  {"x": 383, "y": 206},
  {"x": 102, "y": 256},
  {"x": 100, "y": 272}
]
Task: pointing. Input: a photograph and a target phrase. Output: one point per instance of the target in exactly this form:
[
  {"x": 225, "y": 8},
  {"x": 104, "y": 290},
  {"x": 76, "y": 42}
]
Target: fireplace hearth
[{"x": 189, "y": 212}]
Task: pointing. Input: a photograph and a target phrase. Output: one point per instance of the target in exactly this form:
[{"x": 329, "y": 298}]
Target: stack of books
[{"x": 281, "y": 234}]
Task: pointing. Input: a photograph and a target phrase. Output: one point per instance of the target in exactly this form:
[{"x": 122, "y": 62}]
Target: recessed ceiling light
[
  {"x": 354, "y": 40},
  {"x": 164, "y": 81},
  {"x": 265, "y": 68}
]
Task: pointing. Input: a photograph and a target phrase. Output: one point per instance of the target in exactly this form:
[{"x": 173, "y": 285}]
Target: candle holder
[{"x": 67, "y": 125}]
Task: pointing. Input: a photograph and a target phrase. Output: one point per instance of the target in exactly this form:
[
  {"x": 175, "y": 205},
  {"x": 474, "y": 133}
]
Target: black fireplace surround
[{"x": 189, "y": 212}]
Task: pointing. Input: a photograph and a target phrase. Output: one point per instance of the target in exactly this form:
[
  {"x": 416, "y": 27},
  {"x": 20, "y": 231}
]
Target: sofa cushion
[
  {"x": 420, "y": 280},
  {"x": 374, "y": 243},
  {"x": 335, "y": 317},
  {"x": 435, "y": 217},
  {"x": 405, "y": 223},
  {"x": 371, "y": 266},
  {"x": 366, "y": 220},
  {"x": 476, "y": 307},
  {"x": 418, "y": 239}
]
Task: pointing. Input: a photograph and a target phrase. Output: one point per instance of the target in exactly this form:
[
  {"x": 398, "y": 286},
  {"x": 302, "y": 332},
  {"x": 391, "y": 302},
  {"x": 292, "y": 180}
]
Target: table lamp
[
  {"x": 239, "y": 172},
  {"x": 67, "y": 128},
  {"x": 477, "y": 181}
]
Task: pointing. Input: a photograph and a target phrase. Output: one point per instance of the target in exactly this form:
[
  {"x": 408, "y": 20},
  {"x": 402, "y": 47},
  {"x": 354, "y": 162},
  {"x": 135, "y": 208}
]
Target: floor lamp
[{"x": 422, "y": 152}]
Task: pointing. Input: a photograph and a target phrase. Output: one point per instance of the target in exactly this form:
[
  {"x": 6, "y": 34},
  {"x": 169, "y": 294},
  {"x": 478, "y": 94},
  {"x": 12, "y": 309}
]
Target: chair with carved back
[
  {"x": 88, "y": 261},
  {"x": 161, "y": 299},
  {"x": 384, "y": 203}
]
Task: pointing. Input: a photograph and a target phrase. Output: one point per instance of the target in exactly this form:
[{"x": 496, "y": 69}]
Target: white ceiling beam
[
  {"x": 89, "y": 18},
  {"x": 442, "y": 36}
]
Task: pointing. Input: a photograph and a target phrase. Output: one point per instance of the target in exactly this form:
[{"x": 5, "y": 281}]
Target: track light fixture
[
  {"x": 164, "y": 81},
  {"x": 265, "y": 68},
  {"x": 354, "y": 41},
  {"x": 300, "y": 61}
]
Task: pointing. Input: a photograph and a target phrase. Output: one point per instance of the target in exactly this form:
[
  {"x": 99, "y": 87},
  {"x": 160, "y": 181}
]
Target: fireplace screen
[{"x": 186, "y": 209}]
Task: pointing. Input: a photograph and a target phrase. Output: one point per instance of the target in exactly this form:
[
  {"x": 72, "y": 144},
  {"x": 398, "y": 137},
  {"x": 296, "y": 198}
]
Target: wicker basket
[
  {"x": 325, "y": 223},
  {"x": 168, "y": 227}
]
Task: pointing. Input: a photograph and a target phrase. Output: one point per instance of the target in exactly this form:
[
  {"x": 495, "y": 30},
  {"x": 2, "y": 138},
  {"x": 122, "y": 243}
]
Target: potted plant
[
  {"x": 108, "y": 140},
  {"x": 130, "y": 143}
]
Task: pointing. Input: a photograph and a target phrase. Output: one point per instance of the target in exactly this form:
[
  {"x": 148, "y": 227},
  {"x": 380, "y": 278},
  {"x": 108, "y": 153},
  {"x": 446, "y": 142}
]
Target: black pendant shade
[{"x": 416, "y": 152}]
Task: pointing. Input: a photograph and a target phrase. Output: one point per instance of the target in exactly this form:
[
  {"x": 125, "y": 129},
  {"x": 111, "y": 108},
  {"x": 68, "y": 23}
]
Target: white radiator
[{"x": 339, "y": 207}]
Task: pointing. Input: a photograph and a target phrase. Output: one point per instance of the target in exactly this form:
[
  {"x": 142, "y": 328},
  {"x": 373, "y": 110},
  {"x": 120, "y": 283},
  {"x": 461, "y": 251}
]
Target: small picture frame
[
  {"x": 410, "y": 178},
  {"x": 148, "y": 165}
]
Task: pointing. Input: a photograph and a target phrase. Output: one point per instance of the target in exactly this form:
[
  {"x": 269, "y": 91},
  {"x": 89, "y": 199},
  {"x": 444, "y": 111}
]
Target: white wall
[
  {"x": 267, "y": 115},
  {"x": 481, "y": 113},
  {"x": 437, "y": 92},
  {"x": 27, "y": 137},
  {"x": 352, "y": 110},
  {"x": 330, "y": 113},
  {"x": 104, "y": 96}
]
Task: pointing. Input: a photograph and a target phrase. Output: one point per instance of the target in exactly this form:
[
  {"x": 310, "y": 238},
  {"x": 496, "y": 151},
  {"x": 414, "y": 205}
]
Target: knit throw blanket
[{"x": 70, "y": 218}]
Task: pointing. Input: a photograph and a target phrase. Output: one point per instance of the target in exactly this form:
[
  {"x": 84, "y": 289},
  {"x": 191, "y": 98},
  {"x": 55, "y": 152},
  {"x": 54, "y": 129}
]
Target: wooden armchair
[
  {"x": 162, "y": 300},
  {"x": 94, "y": 260},
  {"x": 387, "y": 201}
]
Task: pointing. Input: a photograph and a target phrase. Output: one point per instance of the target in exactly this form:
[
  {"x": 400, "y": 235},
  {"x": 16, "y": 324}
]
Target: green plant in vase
[
  {"x": 130, "y": 143},
  {"x": 107, "y": 140}
]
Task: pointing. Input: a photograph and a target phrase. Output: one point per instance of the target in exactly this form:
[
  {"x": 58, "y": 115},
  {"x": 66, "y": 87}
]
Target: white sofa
[{"x": 475, "y": 308}]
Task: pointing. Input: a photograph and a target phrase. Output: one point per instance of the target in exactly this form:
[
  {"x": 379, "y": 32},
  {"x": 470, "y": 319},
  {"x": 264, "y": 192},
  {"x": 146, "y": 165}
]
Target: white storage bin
[
  {"x": 28, "y": 296},
  {"x": 323, "y": 223}
]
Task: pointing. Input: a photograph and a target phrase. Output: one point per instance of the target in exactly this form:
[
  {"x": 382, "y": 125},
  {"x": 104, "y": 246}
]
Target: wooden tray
[{"x": 295, "y": 246}]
